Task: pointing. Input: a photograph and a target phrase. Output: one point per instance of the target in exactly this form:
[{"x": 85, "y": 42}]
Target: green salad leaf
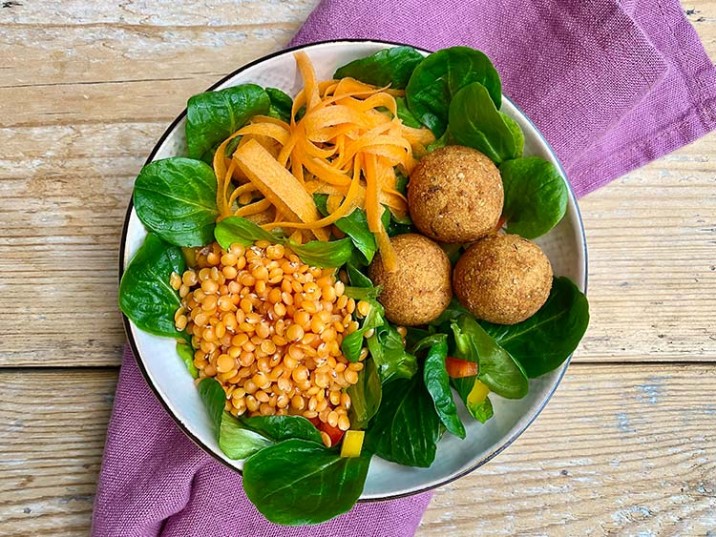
[
  {"x": 477, "y": 123},
  {"x": 186, "y": 353},
  {"x": 389, "y": 67},
  {"x": 321, "y": 201},
  {"x": 454, "y": 311},
  {"x": 236, "y": 229},
  {"x": 437, "y": 382},
  {"x": 545, "y": 340},
  {"x": 280, "y": 428},
  {"x": 406, "y": 428},
  {"x": 440, "y": 76},
  {"x": 439, "y": 143},
  {"x": 352, "y": 345},
  {"x": 516, "y": 131},
  {"x": 323, "y": 253},
  {"x": 365, "y": 396},
  {"x": 427, "y": 340},
  {"x": 482, "y": 411},
  {"x": 235, "y": 441},
  {"x": 214, "y": 399},
  {"x": 355, "y": 225},
  {"x": 357, "y": 278},
  {"x": 496, "y": 368},
  {"x": 387, "y": 349},
  {"x": 363, "y": 293},
  {"x": 535, "y": 196},
  {"x": 281, "y": 104},
  {"x": 213, "y": 116},
  {"x": 298, "y": 482},
  {"x": 231, "y": 146},
  {"x": 401, "y": 182},
  {"x": 176, "y": 199},
  {"x": 398, "y": 225},
  {"x": 145, "y": 295},
  {"x": 405, "y": 115},
  {"x": 353, "y": 342}
]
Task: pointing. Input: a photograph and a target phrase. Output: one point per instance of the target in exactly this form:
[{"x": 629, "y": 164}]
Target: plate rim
[{"x": 179, "y": 422}]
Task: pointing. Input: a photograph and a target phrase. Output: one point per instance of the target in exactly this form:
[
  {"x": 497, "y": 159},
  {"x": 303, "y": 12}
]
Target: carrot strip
[
  {"x": 262, "y": 218},
  {"x": 246, "y": 188},
  {"x": 347, "y": 145},
  {"x": 278, "y": 184},
  {"x": 270, "y": 119},
  {"x": 254, "y": 208},
  {"x": 308, "y": 74},
  {"x": 325, "y": 172},
  {"x": 311, "y": 150},
  {"x": 333, "y": 202},
  {"x": 349, "y": 203},
  {"x": 380, "y": 100},
  {"x": 387, "y": 252},
  {"x": 270, "y": 130},
  {"x": 417, "y": 136}
]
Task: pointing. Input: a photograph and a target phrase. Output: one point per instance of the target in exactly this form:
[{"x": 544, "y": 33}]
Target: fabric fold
[
  {"x": 155, "y": 482},
  {"x": 611, "y": 88},
  {"x": 612, "y": 85}
]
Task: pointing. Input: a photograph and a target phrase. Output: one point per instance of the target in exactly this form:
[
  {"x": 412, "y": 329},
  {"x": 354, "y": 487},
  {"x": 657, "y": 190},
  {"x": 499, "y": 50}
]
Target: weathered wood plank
[
  {"x": 160, "y": 13},
  {"x": 652, "y": 267},
  {"x": 620, "y": 449},
  {"x": 652, "y": 270},
  {"x": 143, "y": 74},
  {"x": 651, "y": 263},
  {"x": 625, "y": 450},
  {"x": 148, "y": 64},
  {"x": 52, "y": 432}
]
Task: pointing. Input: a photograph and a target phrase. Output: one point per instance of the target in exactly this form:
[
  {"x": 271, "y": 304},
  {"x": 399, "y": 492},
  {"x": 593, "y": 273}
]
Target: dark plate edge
[{"x": 184, "y": 428}]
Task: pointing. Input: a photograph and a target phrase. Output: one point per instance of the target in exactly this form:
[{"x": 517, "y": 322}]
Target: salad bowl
[{"x": 167, "y": 376}]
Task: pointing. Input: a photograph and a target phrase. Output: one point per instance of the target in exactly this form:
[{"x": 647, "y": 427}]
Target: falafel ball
[
  {"x": 503, "y": 279},
  {"x": 419, "y": 290},
  {"x": 455, "y": 195}
]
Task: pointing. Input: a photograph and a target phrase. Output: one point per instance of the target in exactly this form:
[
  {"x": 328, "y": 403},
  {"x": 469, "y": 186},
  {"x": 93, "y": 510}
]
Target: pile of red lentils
[{"x": 269, "y": 328}]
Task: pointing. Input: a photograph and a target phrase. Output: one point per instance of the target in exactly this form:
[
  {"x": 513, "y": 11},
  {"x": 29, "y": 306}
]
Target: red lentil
[{"x": 269, "y": 328}]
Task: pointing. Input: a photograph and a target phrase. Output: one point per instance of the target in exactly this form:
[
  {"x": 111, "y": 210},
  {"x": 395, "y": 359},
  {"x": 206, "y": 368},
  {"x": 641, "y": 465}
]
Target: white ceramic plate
[{"x": 167, "y": 375}]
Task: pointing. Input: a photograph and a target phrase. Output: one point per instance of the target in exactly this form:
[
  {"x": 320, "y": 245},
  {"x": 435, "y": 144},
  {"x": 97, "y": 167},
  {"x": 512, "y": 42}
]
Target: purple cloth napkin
[
  {"x": 156, "y": 481},
  {"x": 612, "y": 85}
]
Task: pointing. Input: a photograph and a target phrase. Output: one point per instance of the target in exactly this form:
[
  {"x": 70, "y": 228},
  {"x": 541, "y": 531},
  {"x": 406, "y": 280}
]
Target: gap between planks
[{"x": 619, "y": 450}]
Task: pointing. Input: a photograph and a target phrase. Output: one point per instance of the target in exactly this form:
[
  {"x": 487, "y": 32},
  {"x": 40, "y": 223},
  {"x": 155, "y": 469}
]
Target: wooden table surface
[{"x": 626, "y": 447}]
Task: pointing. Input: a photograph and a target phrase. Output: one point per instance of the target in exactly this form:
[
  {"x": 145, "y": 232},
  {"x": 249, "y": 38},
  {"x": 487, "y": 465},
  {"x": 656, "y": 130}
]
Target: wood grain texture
[
  {"x": 84, "y": 117},
  {"x": 87, "y": 88},
  {"x": 607, "y": 456},
  {"x": 652, "y": 270},
  {"x": 79, "y": 130},
  {"x": 51, "y": 451},
  {"x": 620, "y": 450}
]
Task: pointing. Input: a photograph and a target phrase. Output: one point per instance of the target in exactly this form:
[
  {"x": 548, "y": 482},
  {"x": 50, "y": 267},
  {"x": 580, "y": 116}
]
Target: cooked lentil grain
[{"x": 269, "y": 328}]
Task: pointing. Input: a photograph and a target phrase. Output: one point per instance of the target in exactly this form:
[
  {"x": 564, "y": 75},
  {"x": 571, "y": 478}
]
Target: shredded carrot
[
  {"x": 308, "y": 74},
  {"x": 277, "y": 185},
  {"x": 253, "y": 208},
  {"x": 270, "y": 130},
  {"x": 347, "y": 144}
]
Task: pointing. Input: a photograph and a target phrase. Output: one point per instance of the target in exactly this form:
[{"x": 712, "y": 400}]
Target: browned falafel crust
[
  {"x": 419, "y": 290},
  {"x": 503, "y": 279},
  {"x": 455, "y": 194}
]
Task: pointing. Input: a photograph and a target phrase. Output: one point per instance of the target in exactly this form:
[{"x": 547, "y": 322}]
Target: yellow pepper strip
[
  {"x": 478, "y": 394},
  {"x": 352, "y": 444}
]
